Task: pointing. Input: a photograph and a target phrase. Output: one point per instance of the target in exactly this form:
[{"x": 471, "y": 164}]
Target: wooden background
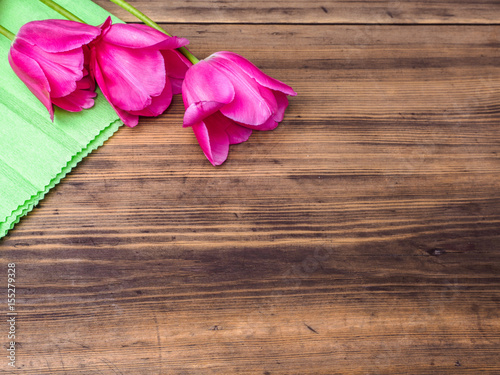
[{"x": 359, "y": 237}]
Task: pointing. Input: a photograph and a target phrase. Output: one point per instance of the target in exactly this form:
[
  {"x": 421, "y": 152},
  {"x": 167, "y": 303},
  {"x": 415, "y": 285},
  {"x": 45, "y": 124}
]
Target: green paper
[{"x": 35, "y": 154}]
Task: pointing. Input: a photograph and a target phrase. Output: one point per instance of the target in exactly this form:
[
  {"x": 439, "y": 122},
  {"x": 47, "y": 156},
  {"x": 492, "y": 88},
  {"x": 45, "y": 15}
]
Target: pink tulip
[
  {"x": 138, "y": 69},
  {"x": 225, "y": 97},
  {"x": 51, "y": 57}
]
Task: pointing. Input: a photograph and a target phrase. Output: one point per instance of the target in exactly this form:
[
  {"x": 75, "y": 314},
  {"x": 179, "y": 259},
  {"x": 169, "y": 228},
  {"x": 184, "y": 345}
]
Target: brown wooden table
[{"x": 359, "y": 237}]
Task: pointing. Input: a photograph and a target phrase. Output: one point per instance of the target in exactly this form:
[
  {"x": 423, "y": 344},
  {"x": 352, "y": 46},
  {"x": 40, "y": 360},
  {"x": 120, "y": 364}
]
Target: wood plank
[
  {"x": 360, "y": 236},
  {"x": 325, "y": 12}
]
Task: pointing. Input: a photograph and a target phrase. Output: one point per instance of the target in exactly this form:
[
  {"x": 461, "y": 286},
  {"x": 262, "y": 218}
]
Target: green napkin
[{"x": 35, "y": 154}]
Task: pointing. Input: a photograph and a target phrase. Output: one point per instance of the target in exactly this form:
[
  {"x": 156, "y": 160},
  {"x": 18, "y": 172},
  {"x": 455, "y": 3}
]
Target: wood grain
[
  {"x": 313, "y": 12},
  {"x": 359, "y": 237}
]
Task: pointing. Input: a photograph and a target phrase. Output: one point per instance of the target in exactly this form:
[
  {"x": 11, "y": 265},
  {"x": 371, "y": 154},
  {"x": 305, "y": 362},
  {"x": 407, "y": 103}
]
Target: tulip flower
[
  {"x": 226, "y": 97},
  {"x": 137, "y": 68},
  {"x": 51, "y": 57}
]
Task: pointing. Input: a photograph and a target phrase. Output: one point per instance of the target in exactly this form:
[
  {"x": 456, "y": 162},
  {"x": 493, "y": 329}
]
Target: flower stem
[
  {"x": 148, "y": 21},
  {"x": 62, "y": 11},
  {"x": 6, "y": 33}
]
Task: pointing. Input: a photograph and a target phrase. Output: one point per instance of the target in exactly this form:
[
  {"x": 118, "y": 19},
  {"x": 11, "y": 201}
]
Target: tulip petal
[
  {"x": 127, "y": 118},
  {"x": 62, "y": 69},
  {"x": 29, "y": 71},
  {"x": 237, "y": 133},
  {"x": 104, "y": 27},
  {"x": 86, "y": 83},
  {"x": 214, "y": 142},
  {"x": 205, "y": 90},
  {"x": 76, "y": 101},
  {"x": 176, "y": 66},
  {"x": 176, "y": 63},
  {"x": 216, "y": 133},
  {"x": 142, "y": 36},
  {"x": 123, "y": 73},
  {"x": 58, "y": 35},
  {"x": 197, "y": 112},
  {"x": 176, "y": 84},
  {"x": 270, "y": 124},
  {"x": 87, "y": 77},
  {"x": 256, "y": 73},
  {"x": 248, "y": 105},
  {"x": 270, "y": 98},
  {"x": 159, "y": 104},
  {"x": 282, "y": 102}
]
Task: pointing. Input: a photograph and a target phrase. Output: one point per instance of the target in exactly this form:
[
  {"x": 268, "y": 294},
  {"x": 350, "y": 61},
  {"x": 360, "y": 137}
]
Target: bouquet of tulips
[{"x": 138, "y": 67}]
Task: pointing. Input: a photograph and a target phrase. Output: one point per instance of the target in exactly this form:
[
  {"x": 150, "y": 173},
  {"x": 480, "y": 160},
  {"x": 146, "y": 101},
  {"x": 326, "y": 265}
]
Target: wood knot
[{"x": 435, "y": 252}]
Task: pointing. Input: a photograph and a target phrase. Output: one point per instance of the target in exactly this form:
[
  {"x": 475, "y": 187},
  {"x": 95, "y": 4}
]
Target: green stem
[
  {"x": 62, "y": 11},
  {"x": 6, "y": 33},
  {"x": 148, "y": 21}
]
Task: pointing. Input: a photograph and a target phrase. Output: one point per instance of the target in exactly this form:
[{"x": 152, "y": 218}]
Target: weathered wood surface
[
  {"x": 359, "y": 237},
  {"x": 315, "y": 12}
]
